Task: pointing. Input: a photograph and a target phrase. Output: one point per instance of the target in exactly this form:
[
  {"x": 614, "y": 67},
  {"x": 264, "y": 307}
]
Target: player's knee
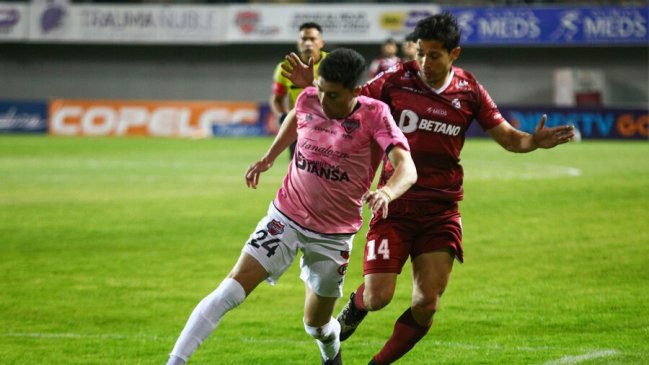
[
  {"x": 326, "y": 333},
  {"x": 426, "y": 304},
  {"x": 227, "y": 296},
  {"x": 377, "y": 299}
]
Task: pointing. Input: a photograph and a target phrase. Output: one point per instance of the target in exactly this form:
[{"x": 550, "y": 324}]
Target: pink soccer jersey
[{"x": 335, "y": 162}]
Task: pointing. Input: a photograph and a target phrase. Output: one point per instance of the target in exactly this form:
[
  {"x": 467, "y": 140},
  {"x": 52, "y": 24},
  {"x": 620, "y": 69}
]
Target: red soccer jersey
[{"x": 435, "y": 123}]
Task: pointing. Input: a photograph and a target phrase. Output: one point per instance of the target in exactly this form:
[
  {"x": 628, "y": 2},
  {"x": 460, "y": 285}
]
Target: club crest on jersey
[
  {"x": 350, "y": 125},
  {"x": 406, "y": 76},
  {"x": 456, "y": 103},
  {"x": 342, "y": 270},
  {"x": 275, "y": 227},
  {"x": 308, "y": 117}
]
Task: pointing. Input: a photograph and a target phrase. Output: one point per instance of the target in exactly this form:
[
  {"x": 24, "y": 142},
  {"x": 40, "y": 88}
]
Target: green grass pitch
[{"x": 107, "y": 244}]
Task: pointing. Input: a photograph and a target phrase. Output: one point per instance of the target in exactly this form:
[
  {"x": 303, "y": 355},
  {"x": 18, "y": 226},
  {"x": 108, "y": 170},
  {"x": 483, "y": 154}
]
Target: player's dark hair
[
  {"x": 410, "y": 37},
  {"x": 343, "y": 65},
  {"x": 311, "y": 25},
  {"x": 440, "y": 27}
]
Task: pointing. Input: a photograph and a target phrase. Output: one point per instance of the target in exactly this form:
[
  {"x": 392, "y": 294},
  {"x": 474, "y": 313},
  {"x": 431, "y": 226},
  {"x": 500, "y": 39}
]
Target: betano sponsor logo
[
  {"x": 409, "y": 122},
  {"x": 147, "y": 118}
]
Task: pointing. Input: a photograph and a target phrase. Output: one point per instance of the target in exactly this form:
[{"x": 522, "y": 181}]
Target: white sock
[
  {"x": 204, "y": 319},
  {"x": 327, "y": 338},
  {"x": 174, "y": 360}
]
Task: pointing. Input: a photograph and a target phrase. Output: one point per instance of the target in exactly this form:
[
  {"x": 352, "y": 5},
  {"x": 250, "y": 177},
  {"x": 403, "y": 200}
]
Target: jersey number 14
[{"x": 383, "y": 250}]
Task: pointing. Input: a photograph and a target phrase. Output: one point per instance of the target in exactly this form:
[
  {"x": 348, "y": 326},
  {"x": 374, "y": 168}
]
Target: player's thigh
[
  {"x": 431, "y": 272},
  {"x": 317, "y": 309},
  {"x": 273, "y": 244},
  {"x": 248, "y": 272},
  {"x": 323, "y": 265},
  {"x": 379, "y": 290},
  {"x": 439, "y": 231}
]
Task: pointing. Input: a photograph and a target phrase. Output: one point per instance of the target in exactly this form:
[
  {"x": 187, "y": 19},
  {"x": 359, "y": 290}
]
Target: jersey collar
[{"x": 444, "y": 87}]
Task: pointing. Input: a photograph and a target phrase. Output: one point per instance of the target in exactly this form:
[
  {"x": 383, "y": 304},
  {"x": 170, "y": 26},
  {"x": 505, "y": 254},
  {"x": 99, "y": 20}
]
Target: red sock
[
  {"x": 407, "y": 332},
  {"x": 358, "y": 298}
]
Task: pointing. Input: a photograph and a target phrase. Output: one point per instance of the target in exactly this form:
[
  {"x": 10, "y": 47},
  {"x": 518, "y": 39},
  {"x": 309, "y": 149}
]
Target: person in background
[
  {"x": 341, "y": 139},
  {"x": 434, "y": 103},
  {"x": 388, "y": 58},
  {"x": 284, "y": 92},
  {"x": 408, "y": 48}
]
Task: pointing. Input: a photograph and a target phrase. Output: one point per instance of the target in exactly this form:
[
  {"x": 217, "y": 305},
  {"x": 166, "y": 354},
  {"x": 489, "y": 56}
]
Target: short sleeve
[
  {"x": 487, "y": 115},
  {"x": 386, "y": 131},
  {"x": 280, "y": 83}
]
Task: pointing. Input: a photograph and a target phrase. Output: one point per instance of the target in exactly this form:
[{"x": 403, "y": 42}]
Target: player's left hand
[
  {"x": 377, "y": 201},
  {"x": 301, "y": 75},
  {"x": 255, "y": 170},
  {"x": 550, "y": 137}
]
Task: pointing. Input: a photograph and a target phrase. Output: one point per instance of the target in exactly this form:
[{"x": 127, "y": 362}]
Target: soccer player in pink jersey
[
  {"x": 433, "y": 103},
  {"x": 342, "y": 138}
]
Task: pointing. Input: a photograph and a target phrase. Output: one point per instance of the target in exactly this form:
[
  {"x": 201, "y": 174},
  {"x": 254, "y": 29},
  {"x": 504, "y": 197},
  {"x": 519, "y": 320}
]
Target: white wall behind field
[{"x": 244, "y": 72}]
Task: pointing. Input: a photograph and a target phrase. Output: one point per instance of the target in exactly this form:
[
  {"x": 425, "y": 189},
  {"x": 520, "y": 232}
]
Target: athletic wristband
[{"x": 388, "y": 192}]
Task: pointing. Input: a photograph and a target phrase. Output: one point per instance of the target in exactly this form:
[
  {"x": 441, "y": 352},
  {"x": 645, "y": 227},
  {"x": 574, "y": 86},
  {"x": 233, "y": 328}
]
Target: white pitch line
[{"x": 570, "y": 360}]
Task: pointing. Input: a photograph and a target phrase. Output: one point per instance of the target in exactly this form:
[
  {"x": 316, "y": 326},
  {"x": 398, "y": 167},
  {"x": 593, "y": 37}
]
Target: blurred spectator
[
  {"x": 408, "y": 48},
  {"x": 387, "y": 59}
]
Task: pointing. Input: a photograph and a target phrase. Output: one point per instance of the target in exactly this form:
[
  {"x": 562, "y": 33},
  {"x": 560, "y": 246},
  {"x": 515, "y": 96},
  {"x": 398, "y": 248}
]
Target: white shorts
[{"x": 275, "y": 244}]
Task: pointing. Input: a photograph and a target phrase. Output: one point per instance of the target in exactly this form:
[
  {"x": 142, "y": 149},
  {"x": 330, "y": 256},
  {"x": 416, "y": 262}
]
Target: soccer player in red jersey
[{"x": 433, "y": 102}]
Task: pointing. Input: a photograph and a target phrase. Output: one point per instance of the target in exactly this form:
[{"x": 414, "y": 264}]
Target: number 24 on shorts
[
  {"x": 383, "y": 250},
  {"x": 261, "y": 240}
]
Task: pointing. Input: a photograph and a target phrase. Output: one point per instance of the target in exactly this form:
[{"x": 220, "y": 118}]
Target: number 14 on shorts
[{"x": 383, "y": 250}]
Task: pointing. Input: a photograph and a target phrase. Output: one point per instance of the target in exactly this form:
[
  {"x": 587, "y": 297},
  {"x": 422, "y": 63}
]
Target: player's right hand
[
  {"x": 377, "y": 201},
  {"x": 301, "y": 75},
  {"x": 255, "y": 170}
]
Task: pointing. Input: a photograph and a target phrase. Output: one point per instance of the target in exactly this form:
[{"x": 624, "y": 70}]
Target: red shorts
[{"x": 412, "y": 228}]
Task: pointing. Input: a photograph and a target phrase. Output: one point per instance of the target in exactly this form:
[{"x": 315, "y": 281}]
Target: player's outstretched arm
[
  {"x": 404, "y": 176},
  {"x": 287, "y": 134},
  {"x": 515, "y": 140},
  {"x": 301, "y": 75}
]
